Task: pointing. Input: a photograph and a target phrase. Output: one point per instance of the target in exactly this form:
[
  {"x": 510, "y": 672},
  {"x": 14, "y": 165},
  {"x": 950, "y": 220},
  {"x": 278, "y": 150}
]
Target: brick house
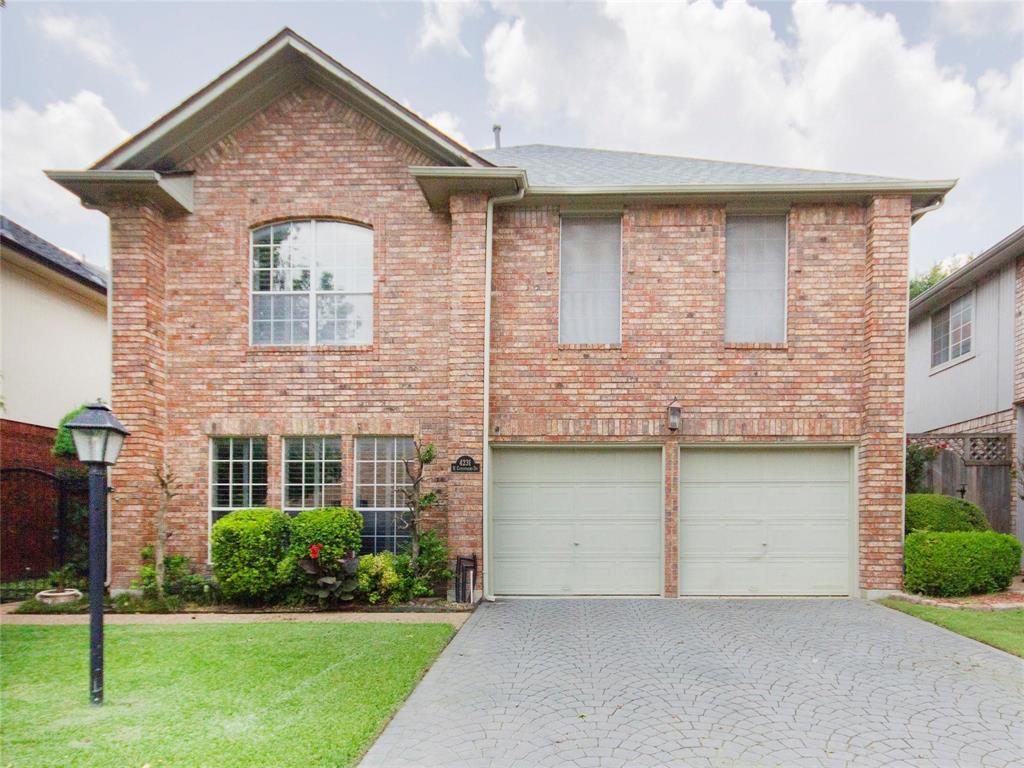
[{"x": 677, "y": 376}]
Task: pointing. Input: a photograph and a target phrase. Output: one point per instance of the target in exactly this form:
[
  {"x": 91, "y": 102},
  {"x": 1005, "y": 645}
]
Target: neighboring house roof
[
  {"x": 554, "y": 166},
  {"x": 47, "y": 254},
  {"x": 969, "y": 275}
]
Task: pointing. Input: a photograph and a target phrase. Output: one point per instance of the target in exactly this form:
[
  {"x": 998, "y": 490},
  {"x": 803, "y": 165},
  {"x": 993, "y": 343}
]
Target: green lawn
[
  {"x": 1002, "y": 629},
  {"x": 216, "y": 696}
]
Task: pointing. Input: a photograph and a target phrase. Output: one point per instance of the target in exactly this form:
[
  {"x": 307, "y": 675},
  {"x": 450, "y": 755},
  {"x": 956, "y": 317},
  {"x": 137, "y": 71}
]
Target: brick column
[
  {"x": 138, "y": 392},
  {"x": 882, "y": 439},
  {"x": 466, "y": 373}
]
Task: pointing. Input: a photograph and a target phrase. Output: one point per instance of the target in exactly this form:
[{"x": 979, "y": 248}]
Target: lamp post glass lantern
[{"x": 98, "y": 437}]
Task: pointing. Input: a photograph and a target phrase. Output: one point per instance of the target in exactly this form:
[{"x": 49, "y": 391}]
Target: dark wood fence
[{"x": 975, "y": 466}]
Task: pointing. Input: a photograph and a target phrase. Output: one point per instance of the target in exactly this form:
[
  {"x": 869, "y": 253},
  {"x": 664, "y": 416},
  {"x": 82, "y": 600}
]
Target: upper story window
[
  {"x": 755, "y": 279},
  {"x": 591, "y": 280},
  {"x": 952, "y": 330},
  {"x": 312, "y": 283}
]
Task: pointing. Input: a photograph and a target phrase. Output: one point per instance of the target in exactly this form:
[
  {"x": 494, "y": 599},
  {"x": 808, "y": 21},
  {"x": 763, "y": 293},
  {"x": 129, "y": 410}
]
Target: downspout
[{"x": 485, "y": 458}]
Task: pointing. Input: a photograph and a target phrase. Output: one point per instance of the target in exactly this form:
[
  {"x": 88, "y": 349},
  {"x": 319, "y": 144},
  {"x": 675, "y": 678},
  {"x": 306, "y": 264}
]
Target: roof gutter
[
  {"x": 485, "y": 458},
  {"x": 172, "y": 192},
  {"x": 917, "y": 213}
]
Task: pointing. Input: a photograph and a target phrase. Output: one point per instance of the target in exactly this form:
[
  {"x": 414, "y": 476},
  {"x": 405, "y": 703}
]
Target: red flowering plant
[{"x": 322, "y": 553}]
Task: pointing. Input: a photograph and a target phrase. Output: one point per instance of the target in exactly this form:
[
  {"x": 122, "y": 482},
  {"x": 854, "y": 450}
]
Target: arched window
[{"x": 312, "y": 283}]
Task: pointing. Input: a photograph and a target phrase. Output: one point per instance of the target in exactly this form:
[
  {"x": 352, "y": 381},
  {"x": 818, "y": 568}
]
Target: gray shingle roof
[
  {"x": 553, "y": 166},
  {"x": 50, "y": 255}
]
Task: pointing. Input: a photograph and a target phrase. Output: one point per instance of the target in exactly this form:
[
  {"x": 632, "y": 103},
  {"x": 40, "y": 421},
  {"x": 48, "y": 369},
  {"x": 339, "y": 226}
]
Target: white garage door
[
  {"x": 772, "y": 521},
  {"x": 576, "y": 521}
]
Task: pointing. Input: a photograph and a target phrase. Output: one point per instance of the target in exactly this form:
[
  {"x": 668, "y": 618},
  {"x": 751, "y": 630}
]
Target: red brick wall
[
  {"x": 838, "y": 361},
  {"x": 26, "y": 445},
  {"x": 184, "y": 369}
]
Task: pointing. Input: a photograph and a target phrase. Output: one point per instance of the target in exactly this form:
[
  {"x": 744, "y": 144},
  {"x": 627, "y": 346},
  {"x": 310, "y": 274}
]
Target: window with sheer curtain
[
  {"x": 755, "y": 279},
  {"x": 312, "y": 283},
  {"x": 591, "y": 280}
]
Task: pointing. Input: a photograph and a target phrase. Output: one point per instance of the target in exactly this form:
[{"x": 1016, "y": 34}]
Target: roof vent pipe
[{"x": 497, "y": 135}]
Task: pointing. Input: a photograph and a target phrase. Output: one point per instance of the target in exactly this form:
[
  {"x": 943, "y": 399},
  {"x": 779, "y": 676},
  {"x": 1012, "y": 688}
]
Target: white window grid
[
  {"x": 745, "y": 290},
  {"x": 298, "y": 266},
  {"x": 244, "y": 468},
  {"x": 311, "y": 469},
  {"x": 381, "y": 500},
  {"x": 953, "y": 330},
  {"x": 590, "y": 293}
]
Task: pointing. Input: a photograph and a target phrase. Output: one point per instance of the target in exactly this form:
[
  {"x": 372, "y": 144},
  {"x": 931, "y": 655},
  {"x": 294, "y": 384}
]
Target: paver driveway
[{"x": 709, "y": 683}]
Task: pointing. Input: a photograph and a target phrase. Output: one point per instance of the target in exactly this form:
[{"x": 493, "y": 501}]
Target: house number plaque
[{"x": 465, "y": 464}]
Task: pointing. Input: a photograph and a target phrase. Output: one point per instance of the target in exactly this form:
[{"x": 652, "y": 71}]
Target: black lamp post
[{"x": 98, "y": 437}]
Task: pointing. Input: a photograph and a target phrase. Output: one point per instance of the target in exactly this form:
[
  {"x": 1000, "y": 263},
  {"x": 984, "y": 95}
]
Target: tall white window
[
  {"x": 238, "y": 474},
  {"x": 755, "y": 279},
  {"x": 312, "y": 473},
  {"x": 952, "y": 330},
  {"x": 591, "y": 280},
  {"x": 312, "y": 283},
  {"x": 380, "y": 477}
]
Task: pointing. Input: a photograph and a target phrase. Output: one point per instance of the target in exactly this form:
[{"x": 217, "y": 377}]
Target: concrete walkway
[{"x": 708, "y": 683}]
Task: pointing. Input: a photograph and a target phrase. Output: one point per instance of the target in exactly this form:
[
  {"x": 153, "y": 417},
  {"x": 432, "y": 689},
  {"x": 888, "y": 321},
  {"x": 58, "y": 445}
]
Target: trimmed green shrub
[
  {"x": 956, "y": 563},
  {"x": 63, "y": 443},
  {"x": 936, "y": 512},
  {"x": 180, "y": 579},
  {"x": 432, "y": 565},
  {"x": 379, "y": 580},
  {"x": 336, "y": 529},
  {"x": 247, "y": 546}
]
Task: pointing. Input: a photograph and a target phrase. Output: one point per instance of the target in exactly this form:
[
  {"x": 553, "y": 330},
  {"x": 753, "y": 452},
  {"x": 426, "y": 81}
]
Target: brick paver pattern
[{"x": 708, "y": 683}]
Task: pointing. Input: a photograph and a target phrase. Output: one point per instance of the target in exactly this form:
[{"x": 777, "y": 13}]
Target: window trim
[
  {"x": 210, "y": 496},
  {"x": 562, "y": 216},
  {"x": 355, "y": 477},
  {"x": 784, "y": 341},
  {"x": 312, "y": 293},
  {"x": 284, "y": 469},
  {"x": 965, "y": 356}
]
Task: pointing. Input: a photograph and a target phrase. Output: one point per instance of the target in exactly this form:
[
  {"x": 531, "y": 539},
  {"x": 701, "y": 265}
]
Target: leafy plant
[
  {"x": 181, "y": 581},
  {"x": 951, "y": 564},
  {"x": 379, "y": 580},
  {"x": 247, "y": 546},
  {"x": 418, "y": 502},
  {"x": 936, "y": 512},
  {"x": 63, "y": 577},
  {"x": 332, "y": 579},
  {"x": 63, "y": 443},
  {"x": 918, "y": 457},
  {"x": 432, "y": 565}
]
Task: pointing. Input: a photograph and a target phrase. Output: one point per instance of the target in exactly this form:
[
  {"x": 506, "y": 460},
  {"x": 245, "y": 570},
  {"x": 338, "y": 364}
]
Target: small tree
[
  {"x": 416, "y": 501},
  {"x": 166, "y": 480}
]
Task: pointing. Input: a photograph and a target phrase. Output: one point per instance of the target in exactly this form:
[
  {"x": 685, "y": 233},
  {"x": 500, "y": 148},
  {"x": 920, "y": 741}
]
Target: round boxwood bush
[
  {"x": 936, "y": 512},
  {"x": 247, "y": 546},
  {"x": 336, "y": 529},
  {"x": 956, "y": 563}
]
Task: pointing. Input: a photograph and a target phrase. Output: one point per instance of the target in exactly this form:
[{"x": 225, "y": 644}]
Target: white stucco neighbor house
[
  {"x": 54, "y": 341},
  {"x": 965, "y": 359}
]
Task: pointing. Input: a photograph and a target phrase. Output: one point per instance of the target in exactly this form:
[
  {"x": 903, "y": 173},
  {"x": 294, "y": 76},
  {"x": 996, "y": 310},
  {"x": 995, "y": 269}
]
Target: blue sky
[{"x": 916, "y": 89}]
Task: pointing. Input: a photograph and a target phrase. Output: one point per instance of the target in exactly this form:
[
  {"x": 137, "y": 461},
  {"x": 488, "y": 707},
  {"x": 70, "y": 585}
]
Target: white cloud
[
  {"x": 65, "y": 134},
  {"x": 448, "y": 123},
  {"x": 442, "y": 24},
  {"x": 714, "y": 80},
  {"x": 976, "y": 18},
  {"x": 93, "y": 38}
]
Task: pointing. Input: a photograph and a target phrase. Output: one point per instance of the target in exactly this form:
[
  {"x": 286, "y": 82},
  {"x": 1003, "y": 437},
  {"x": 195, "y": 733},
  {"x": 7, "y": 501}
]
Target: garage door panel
[
  {"x": 765, "y": 521},
  {"x": 586, "y": 521}
]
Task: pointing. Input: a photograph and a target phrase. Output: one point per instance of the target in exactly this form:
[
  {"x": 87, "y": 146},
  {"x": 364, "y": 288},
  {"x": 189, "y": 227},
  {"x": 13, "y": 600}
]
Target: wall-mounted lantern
[{"x": 673, "y": 416}]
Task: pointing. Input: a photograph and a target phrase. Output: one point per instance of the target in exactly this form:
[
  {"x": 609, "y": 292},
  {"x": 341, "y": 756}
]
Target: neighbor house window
[
  {"x": 591, "y": 280},
  {"x": 755, "y": 279},
  {"x": 238, "y": 474},
  {"x": 380, "y": 478},
  {"x": 312, "y": 283},
  {"x": 312, "y": 473},
  {"x": 952, "y": 330}
]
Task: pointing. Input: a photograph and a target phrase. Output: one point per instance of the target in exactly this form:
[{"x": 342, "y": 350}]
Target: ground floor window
[
  {"x": 312, "y": 473},
  {"x": 238, "y": 474},
  {"x": 380, "y": 478}
]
